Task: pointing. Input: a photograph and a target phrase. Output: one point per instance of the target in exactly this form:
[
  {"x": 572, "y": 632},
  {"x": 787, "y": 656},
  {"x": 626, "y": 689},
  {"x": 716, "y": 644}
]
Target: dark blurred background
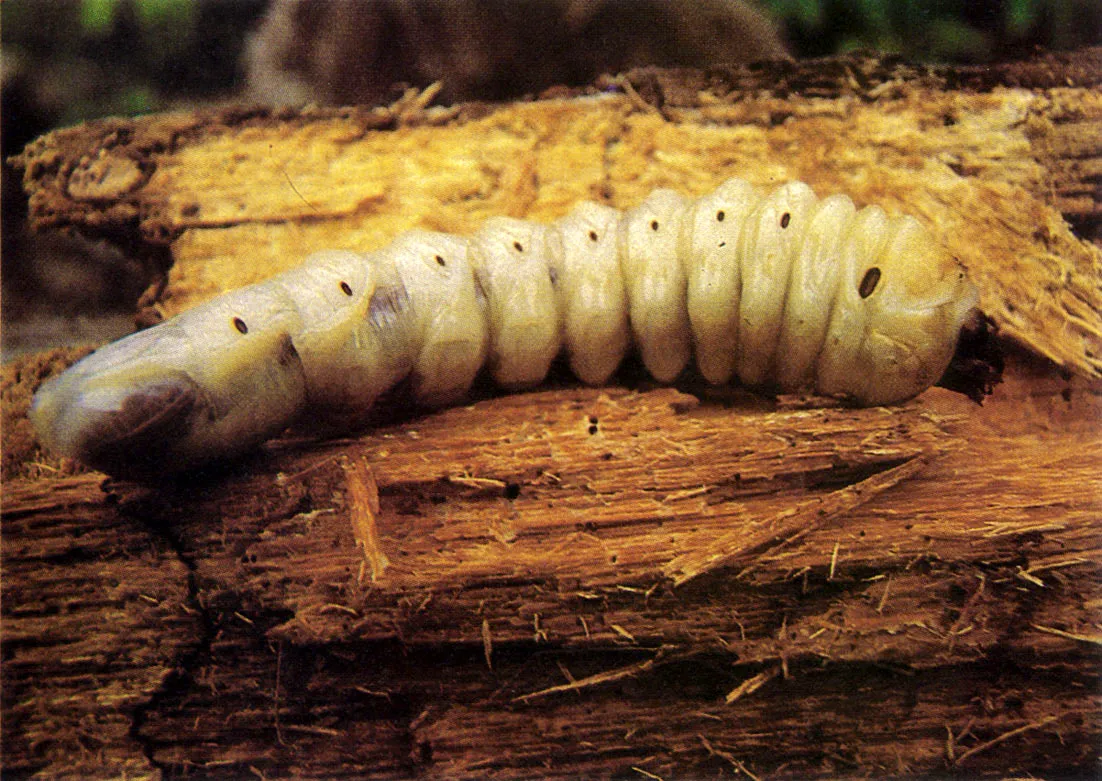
[{"x": 67, "y": 61}]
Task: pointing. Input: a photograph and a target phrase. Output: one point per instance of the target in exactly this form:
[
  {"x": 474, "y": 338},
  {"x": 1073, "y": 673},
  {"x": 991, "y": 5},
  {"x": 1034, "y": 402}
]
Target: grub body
[{"x": 774, "y": 289}]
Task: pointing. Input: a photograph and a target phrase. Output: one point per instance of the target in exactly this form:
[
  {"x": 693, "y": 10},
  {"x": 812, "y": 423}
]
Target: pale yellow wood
[{"x": 965, "y": 164}]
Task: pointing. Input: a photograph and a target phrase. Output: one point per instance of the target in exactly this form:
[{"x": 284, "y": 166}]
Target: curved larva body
[{"x": 779, "y": 289}]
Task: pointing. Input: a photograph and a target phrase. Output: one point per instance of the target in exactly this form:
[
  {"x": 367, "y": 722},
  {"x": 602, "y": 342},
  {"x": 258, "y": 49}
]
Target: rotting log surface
[{"x": 581, "y": 582}]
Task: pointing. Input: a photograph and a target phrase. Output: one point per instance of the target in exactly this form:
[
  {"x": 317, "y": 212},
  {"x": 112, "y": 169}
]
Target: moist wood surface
[{"x": 587, "y": 582}]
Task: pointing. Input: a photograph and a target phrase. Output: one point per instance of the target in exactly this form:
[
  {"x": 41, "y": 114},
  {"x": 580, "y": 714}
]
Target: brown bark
[{"x": 579, "y": 582}]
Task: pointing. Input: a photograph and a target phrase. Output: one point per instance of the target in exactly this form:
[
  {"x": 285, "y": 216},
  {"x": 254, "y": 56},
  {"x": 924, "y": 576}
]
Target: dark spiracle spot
[
  {"x": 593, "y": 235},
  {"x": 346, "y": 288},
  {"x": 440, "y": 261},
  {"x": 869, "y": 282},
  {"x": 785, "y": 219},
  {"x": 512, "y": 491},
  {"x": 654, "y": 225},
  {"x": 239, "y": 324},
  {"x": 518, "y": 246},
  {"x": 721, "y": 215}
]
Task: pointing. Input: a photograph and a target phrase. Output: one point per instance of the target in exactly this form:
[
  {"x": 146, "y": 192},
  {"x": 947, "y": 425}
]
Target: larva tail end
[
  {"x": 132, "y": 438},
  {"x": 977, "y": 365}
]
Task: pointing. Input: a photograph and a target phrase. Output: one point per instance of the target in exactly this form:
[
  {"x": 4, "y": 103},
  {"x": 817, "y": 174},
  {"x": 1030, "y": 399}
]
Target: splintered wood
[
  {"x": 787, "y": 526},
  {"x": 602, "y": 486},
  {"x": 363, "y": 507},
  {"x": 578, "y": 582}
]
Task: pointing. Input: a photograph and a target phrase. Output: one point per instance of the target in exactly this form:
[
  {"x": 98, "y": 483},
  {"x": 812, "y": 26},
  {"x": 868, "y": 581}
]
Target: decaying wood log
[{"x": 628, "y": 581}]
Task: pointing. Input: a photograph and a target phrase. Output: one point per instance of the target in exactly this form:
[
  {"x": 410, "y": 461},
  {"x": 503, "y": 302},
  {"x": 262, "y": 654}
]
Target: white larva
[{"x": 777, "y": 289}]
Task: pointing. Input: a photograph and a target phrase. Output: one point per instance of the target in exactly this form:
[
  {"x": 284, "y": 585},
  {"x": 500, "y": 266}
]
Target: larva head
[
  {"x": 915, "y": 297},
  {"x": 212, "y": 382}
]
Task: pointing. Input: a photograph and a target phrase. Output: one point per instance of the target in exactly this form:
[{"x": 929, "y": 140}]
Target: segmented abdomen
[{"x": 780, "y": 289}]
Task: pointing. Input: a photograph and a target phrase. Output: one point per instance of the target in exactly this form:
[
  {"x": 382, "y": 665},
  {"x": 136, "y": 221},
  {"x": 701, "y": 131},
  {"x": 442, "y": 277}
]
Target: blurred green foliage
[
  {"x": 98, "y": 16},
  {"x": 89, "y": 58},
  {"x": 938, "y": 30},
  {"x": 166, "y": 27}
]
